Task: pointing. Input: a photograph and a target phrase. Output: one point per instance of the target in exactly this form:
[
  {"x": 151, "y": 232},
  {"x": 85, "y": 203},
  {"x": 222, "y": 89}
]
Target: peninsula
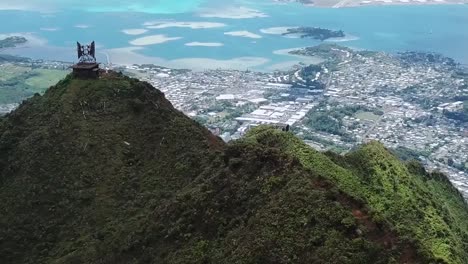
[{"x": 315, "y": 33}]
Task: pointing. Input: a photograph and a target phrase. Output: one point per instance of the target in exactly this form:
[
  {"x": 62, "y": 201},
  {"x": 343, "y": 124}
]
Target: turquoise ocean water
[{"x": 441, "y": 28}]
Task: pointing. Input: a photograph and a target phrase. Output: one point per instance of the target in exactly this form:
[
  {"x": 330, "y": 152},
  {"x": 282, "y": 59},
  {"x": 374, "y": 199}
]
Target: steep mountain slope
[
  {"x": 422, "y": 207},
  {"x": 72, "y": 159},
  {"x": 107, "y": 171}
]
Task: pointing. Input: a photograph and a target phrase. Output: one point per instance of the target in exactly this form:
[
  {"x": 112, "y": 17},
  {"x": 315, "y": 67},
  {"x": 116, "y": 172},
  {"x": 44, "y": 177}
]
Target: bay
[{"x": 432, "y": 28}]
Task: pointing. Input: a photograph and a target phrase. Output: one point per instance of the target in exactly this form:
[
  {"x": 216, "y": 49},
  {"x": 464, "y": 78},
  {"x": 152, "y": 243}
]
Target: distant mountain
[
  {"x": 107, "y": 171},
  {"x": 12, "y": 42},
  {"x": 12, "y": 58}
]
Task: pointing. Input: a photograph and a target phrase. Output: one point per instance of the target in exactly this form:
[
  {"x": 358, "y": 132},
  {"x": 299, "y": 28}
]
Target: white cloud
[
  {"x": 244, "y": 34},
  {"x": 49, "y": 29},
  {"x": 152, "y": 40},
  {"x": 83, "y": 26},
  {"x": 135, "y": 31},
  {"x": 24, "y": 5},
  {"x": 232, "y": 13},
  {"x": 192, "y": 25},
  {"x": 204, "y": 44}
]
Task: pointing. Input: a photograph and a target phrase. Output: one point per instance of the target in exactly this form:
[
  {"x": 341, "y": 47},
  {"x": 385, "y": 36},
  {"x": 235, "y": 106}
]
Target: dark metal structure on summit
[{"x": 87, "y": 67}]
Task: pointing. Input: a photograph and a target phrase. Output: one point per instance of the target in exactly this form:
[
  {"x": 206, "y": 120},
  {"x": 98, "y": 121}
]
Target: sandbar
[
  {"x": 130, "y": 55},
  {"x": 204, "y": 44},
  {"x": 49, "y": 29},
  {"x": 152, "y": 40},
  {"x": 232, "y": 13},
  {"x": 135, "y": 31},
  {"x": 244, "y": 34},
  {"x": 275, "y": 30},
  {"x": 192, "y": 25}
]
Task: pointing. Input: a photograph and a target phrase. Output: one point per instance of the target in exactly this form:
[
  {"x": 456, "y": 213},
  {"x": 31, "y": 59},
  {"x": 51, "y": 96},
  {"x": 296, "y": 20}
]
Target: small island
[
  {"x": 315, "y": 33},
  {"x": 12, "y": 42}
]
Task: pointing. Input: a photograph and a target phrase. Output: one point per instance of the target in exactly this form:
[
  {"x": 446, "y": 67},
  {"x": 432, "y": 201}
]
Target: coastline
[
  {"x": 307, "y": 59},
  {"x": 229, "y": 42}
]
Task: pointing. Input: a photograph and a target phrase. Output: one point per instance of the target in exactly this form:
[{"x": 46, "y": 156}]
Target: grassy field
[
  {"x": 18, "y": 82},
  {"x": 9, "y": 71},
  {"x": 46, "y": 78},
  {"x": 369, "y": 116}
]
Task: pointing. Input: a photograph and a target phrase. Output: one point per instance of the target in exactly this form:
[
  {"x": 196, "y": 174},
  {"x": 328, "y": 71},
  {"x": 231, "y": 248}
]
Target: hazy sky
[{"x": 150, "y": 6}]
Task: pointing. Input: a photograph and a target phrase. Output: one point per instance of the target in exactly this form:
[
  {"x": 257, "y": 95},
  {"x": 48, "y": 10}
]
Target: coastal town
[
  {"x": 414, "y": 103},
  {"x": 405, "y": 101}
]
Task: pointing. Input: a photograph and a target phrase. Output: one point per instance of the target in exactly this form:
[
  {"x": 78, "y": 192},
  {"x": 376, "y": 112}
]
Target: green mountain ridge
[{"x": 107, "y": 171}]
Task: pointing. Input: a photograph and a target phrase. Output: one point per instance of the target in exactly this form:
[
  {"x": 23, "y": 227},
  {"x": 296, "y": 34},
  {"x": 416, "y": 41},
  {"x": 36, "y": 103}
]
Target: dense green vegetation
[
  {"x": 330, "y": 120},
  {"x": 82, "y": 164},
  {"x": 107, "y": 171},
  {"x": 407, "y": 154},
  {"x": 321, "y": 121},
  {"x": 461, "y": 116},
  {"x": 411, "y": 57},
  {"x": 422, "y": 207},
  {"x": 225, "y": 113}
]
